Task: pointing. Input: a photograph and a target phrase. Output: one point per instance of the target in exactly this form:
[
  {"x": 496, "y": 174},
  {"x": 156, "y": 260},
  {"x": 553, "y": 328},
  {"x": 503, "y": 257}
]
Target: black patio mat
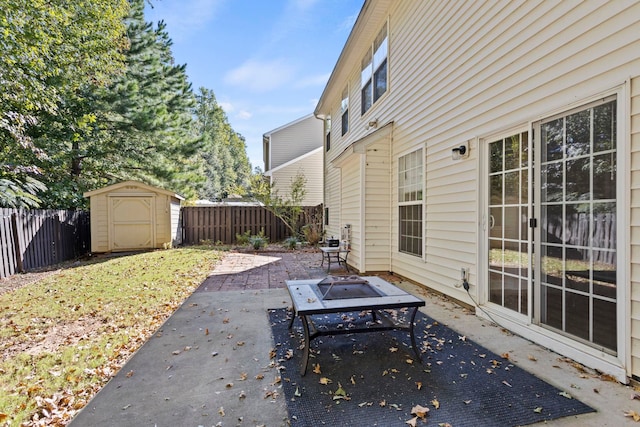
[{"x": 375, "y": 379}]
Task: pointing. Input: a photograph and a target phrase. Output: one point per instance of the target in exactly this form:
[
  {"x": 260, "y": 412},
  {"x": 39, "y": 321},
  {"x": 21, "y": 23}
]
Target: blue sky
[{"x": 267, "y": 61}]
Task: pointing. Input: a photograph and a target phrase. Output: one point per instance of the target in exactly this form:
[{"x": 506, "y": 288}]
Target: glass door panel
[
  {"x": 577, "y": 233},
  {"x": 508, "y": 260}
]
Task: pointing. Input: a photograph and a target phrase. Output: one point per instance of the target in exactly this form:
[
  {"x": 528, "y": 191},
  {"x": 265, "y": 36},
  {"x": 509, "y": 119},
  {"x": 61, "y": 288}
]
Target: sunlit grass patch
[{"x": 63, "y": 337}]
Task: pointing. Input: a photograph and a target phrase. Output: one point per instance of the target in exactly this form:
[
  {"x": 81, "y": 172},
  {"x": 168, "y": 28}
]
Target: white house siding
[
  {"x": 460, "y": 71},
  {"x": 351, "y": 207},
  {"x": 294, "y": 140},
  {"x": 635, "y": 226},
  {"x": 377, "y": 206},
  {"x": 309, "y": 165}
]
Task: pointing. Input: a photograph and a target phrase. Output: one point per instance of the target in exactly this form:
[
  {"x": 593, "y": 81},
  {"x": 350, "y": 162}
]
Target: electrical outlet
[{"x": 464, "y": 274}]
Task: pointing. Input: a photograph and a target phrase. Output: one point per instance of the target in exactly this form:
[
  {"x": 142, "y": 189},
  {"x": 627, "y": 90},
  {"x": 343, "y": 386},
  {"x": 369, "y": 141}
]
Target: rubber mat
[{"x": 375, "y": 379}]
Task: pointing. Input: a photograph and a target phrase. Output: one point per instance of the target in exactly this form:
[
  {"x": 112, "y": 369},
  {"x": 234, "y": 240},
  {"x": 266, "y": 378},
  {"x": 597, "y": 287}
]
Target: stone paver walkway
[{"x": 252, "y": 271}]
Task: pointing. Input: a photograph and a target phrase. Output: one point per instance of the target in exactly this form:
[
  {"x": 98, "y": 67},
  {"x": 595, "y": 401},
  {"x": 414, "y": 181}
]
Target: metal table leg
[
  {"x": 307, "y": 344},
  {"x": 413, "y": 335}
]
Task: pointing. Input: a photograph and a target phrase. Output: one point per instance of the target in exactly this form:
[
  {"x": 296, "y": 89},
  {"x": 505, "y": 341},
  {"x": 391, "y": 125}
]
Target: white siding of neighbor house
[
  {"x": 294, "y": 140},
  {"x": 635, "y": 226},
  {"x": 309, "y": 165},
  {"x": 461, "y": 71}
]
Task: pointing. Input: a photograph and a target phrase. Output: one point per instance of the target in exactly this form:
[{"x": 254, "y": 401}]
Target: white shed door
[{"x": 132, "y": 223}]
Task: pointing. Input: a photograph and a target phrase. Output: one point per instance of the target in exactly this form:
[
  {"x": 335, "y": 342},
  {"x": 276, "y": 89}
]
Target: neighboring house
[
  {"x": 501, "y": 141},
  {"x": 292, "y": 149}
]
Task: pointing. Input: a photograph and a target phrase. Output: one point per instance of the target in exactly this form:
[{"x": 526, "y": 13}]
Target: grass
[{"x": 64, "y": 337}]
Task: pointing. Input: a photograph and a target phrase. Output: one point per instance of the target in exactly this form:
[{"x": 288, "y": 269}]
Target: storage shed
[{"x": 132, "y": 215}]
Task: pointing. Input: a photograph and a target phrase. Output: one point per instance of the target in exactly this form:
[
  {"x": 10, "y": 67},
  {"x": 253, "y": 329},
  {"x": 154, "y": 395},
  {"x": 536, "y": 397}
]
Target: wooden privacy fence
[
  {"x": 223, "y": 223},
  {"x": 31, "y": 239}
]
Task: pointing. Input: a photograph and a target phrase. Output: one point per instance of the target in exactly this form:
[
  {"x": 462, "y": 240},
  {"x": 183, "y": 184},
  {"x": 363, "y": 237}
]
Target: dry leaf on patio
[
  {"x": 532, "y": 358},
  {"x": 412, "y": 422},
  {"x": 444, "y": 425},
  {"x": 505, "y": 356},
  {"x": 565, "y": 394},
  {"x": 420, "y": 411},
  {"x": 316, "y": 369},
  {"x": 633, "y": 414},
  {"x": 325, "y": 381},
  {"x": 393, "y": 349},
  {"x": 221, "y": 411},
  {"x": 435, "y": 403},
  {"x": 419, "y": 385},
  {"x": 340, "y": 394},
  {"x": 538, "y": 410}
]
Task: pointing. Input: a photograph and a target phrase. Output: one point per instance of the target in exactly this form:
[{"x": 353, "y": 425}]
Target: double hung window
[
  {"x": 410, "y": 194},
  {"x": 373, "y": 76}
]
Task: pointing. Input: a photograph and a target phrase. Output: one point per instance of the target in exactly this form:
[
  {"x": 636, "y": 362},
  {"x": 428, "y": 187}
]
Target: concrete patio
[{"x": 211, "y": 363}]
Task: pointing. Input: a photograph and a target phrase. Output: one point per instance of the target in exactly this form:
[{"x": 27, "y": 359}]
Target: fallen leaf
[
  {"x": 229, "y": 385},
  {"x": 635, "y": 396},
  {"x": 316, "y": 369},
  {"x": 466, "y": 402},
  {"x": 632, "y": 414},
  {"x": 435, "y": 403},
  {"x": 382, "y": 403},
  {"x": 353, "y": 380},
  {"x": 409, "y": 361},
  {"x": 221, "y": 411},
  {"x": 340, "y": 393},
  {"x": 444, "y": 425},
  {"x": 532, "y": 358},
  {"x": 260, "y": 377},
  {"x": 129, "y": 374},
  {"x": 225, "y": 320},
  {"x": 297, "y": 392},
  {"x": 243, "y": 376},
  {"x": 393, "y": 349},
  {"x": 505, "y": 355},
  {"x": 538, "y": 410},
  {"x": 420, "y": 411},
  {"x": 507, "y": 384},
  {"x": 325, "y": 381},
  {"x": 242, "y": 395},
  {"x": 412, "y": 422},
  {"x": 419, "y": 385},
  {"x": 565, "y": 394},
  {"x": 206, "y": 331},
  {"x": 462, "y": 337}
]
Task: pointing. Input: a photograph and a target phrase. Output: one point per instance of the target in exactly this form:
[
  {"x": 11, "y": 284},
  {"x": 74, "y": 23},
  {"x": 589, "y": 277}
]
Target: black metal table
[
  {"x": 310, "y": 297},
  {"x": 337, "y": 254}
]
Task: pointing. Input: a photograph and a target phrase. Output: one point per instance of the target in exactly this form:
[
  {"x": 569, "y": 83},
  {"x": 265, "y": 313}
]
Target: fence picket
[
  {"x": 223, "y": 223},
  {"x": 31, "y": 239}
]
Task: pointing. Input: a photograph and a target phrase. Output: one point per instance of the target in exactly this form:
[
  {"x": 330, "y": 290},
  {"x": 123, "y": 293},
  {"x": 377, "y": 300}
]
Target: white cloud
[
  {"x": 184, "y": 17},
  {"x": 227, "y": 107},
  {"x": 244, "y": 115},
  {"x": 310, "y": 81},
  {"x": 261, "y": 76}
]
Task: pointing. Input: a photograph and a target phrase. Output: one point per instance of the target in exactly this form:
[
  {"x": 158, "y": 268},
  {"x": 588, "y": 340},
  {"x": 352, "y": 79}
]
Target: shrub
[{"x": 291, "y": 242}]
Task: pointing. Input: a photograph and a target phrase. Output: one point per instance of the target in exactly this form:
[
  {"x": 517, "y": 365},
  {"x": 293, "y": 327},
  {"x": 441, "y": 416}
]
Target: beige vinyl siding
[
  {"x": 377, "y": 208},
  {"x": 452, "y": 83},
  {"x": 295, "y": 140},
  {"x": 311, "y": 167},
  {"x": 99, "y": 223},
  {"x": 635, "y": 226},
  {"x": 351, "y": 207}
]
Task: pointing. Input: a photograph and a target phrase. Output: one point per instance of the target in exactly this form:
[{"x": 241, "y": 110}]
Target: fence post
[{"x": 16, "y": 242}]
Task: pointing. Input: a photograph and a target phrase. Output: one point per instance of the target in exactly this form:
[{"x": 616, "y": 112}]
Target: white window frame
[
  {"x": 375, "y": 61},
  {"x": 411, "y": 185}
]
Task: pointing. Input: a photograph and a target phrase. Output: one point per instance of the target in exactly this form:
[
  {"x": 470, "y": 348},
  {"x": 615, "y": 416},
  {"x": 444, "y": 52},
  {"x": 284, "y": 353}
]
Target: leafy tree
[
  {"x": 287, "y": 208},
  {"x": 225, "y": 162},
  {"x": 137, "y": 127},
  {"x": 49, "y": 49}
]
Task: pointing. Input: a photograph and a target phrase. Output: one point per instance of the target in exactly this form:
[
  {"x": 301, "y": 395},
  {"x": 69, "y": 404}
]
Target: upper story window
[
  {"x": 373, "y": 75},
  {"x": 344, "y": 110}
]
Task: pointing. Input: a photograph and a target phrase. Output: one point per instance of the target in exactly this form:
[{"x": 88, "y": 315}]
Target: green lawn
[{"x": 63, "y": 337}]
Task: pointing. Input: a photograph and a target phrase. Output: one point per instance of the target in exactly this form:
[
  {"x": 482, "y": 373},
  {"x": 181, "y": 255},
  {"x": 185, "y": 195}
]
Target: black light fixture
[{"x": 459, "y": 152}]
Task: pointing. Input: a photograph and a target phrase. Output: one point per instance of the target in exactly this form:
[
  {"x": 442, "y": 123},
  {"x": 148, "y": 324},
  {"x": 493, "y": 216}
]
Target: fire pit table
[{"x": 342, "y": 294}]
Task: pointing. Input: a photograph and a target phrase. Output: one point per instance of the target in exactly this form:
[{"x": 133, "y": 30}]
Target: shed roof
[{"x": 139, "y": 184}]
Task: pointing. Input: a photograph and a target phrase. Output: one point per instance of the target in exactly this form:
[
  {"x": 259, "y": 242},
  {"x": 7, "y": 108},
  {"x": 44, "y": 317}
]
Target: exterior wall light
[{"x": 460, "y": 152}]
